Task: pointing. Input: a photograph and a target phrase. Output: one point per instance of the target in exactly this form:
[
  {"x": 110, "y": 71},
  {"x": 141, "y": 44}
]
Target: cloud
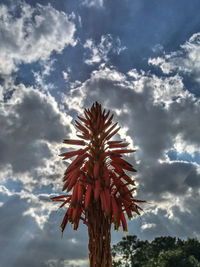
[
  {"x": 160, "y": 114},
  {"x": 159, "y": 223},
  {"x": 30, "y": 122},
  {"x": 70, "y": 263},
  {"x": 186, "y": 60},
  {"x": 155, "y": 109},
  {"x": 179, "y": 219},
  {"x": 100, "y": 52},
  {"x": 33, "y": 126},
  {"x": 38, "y": 206},
  {"x": 93, "y": 3},
  {"x": 168, "y": 180},
  {"x": 32, "y": 246},
  {"x": 32, "y": 34}
]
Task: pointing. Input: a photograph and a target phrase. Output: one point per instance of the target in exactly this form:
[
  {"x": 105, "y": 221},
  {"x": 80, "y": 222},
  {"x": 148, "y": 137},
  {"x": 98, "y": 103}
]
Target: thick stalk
[{"x": 99, "y": 228}]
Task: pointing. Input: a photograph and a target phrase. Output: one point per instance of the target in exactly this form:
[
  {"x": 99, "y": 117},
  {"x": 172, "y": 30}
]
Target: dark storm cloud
[
  {"x": 24, "y": 244},
  {"x": 187, "y": 121},
  {"x": 14, "y": 230},
  {"x": 47, "y": 245},
  {"x": 28, "y": 121},
  {"x": 182, "y": 224},
  {"x": 157, "y": 222},
  {"x": 181, "y": 220},
  {"x": 169, "y": 177}
]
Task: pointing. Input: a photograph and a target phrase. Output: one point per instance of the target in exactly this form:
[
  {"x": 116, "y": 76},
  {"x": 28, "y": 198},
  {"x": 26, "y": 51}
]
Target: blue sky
[{"x": 138, "y": 58}]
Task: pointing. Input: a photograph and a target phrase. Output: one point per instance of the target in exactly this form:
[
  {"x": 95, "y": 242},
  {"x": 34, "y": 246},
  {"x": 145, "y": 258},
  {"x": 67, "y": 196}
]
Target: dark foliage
[{"x": 161, "y": 252}]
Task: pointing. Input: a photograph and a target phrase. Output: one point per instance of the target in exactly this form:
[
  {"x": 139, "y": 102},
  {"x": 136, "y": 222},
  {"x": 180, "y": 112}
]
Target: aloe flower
[{"x": 97, "y": 184}]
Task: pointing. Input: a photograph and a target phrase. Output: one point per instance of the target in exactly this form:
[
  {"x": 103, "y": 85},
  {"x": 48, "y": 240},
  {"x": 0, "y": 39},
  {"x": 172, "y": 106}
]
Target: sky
[{"x": 138, "y": 58}]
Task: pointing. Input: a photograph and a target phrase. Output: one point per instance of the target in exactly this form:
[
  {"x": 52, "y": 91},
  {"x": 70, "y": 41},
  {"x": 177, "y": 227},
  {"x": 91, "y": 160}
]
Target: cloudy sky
[{"x": 140, "y": 59}]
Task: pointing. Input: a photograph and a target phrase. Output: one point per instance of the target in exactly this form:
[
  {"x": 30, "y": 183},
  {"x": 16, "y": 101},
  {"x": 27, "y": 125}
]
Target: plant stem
[{"x": 99, "y": 228}]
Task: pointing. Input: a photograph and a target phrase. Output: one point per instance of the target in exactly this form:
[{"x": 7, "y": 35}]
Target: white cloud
[
  {"x": 149, "y": 123},
  {"x": 63, "y": 263},
  {"x": 165, "y": 66},
  {"x": 148, "y": 226},
  {"x": 157, "y": 112},
  {"x": 157, "y": 48},
  {"x": 93, "y": 3},
  {"x": 40, "y": 82},
  {"x": 32, "y": 35},
  {"x": 1, "y": 93},
  {"x": 5, "y": 191},
  {"x": 186, "y": 60},
  {"x": 32, "y": 129},
  {"x": 35, "y": 121},
  {"x": 47, "y": 66},
  {"x": 181, "y": 145},
  {"x": 39, "y": 212},
  {"x": 37, "y": 207},
  {"x": 100, "y": 52},
  {"x": 154, "y": 116},
  {"x": 168, "y": 89},
  {"x": 65, "y": 75}
]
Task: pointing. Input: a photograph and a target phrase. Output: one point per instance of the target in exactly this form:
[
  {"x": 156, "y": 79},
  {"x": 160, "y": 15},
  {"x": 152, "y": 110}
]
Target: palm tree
[{"x": 101, "y": 194}]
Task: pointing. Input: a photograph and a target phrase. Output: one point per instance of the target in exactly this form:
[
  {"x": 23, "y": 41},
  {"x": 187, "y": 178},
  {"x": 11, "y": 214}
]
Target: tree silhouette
[{"x": 101, "y": 193}]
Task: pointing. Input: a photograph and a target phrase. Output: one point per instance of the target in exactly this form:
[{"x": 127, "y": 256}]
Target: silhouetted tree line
[{"x": 161, "y": 252}]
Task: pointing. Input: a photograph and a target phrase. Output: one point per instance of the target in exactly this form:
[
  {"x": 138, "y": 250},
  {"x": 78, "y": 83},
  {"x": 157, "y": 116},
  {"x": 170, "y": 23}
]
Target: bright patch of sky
[{"x": 173, "y": 155}]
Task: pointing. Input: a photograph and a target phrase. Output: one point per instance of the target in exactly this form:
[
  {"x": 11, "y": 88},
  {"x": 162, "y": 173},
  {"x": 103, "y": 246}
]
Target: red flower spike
[
  {"x": 113, "y": 133},
  {"x": 80, "y": 191},
  {"x": 121, "y": 151},
  {"x": 88, "y": 195},
  {"x": 74, "y": 142},
  {"x": 103, "y": 201},
  {"x": 113, "y": 142},
  {"x": 71, "y": 154},
  {"x": 82, "y": 128},
  {"x": 74, "y": 198},
  {"x": 64, "y": 222},
  {"x": 66, "y": 184},
  {"x": 108, "y": 201},
  {"x": 59, "y": 197},
  {"x": 106, "y": 177},
  {"x": 108, "y": 123},
  {"x": 124, "y": 223},
  {"x": 110, "y": 129},
  {"x": 74, "y": 213},
  {"x": 73, "y": 180},
  {"x": 84, "y": 120},
  {"x": 65, "y": 202},
  {"x": 97, "y": 189},
  {"x": 128, "y": 179},
  {"x": 96, "y": 169},
  {"x": 100, "y": 184},
  {"x": 84, "y": 136},
  {"x": 107, "y": 115},
  {"x": 118, "y": 145}
]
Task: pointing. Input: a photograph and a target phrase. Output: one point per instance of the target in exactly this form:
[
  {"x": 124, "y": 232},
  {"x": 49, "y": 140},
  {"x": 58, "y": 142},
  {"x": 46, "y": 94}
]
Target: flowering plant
[{"x": 99, "y": 183}]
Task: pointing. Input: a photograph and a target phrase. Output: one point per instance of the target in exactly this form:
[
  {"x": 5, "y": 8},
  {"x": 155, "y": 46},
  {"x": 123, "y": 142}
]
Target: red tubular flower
[{"x": 100, "y": 184}]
